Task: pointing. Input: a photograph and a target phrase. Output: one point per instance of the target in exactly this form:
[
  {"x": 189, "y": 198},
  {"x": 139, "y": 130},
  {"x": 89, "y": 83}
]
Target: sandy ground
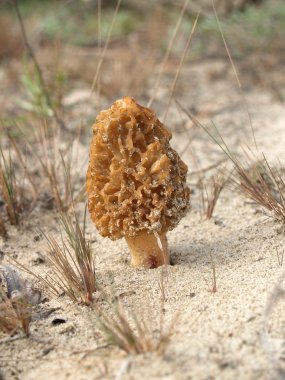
[{"x": 221, "y": 335}]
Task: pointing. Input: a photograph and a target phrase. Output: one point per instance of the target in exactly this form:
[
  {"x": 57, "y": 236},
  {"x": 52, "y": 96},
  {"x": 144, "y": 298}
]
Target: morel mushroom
[{"x": 136, "y": 183}]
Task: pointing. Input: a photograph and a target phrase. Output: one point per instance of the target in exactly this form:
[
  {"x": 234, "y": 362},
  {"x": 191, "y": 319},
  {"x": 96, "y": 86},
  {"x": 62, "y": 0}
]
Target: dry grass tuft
[
  {"x": 264, "y": 185},
  {"x": 210, "y": 192},
  {"x": 258, "y": 180},
  {"x": 76, "y": 249},
  {"x": 71, "y": 260},
  {"x": 50, "y": 159},
  {"x": 10, "y": 189},
  {"x": 130, "y": 333},
  {"x": 58, "y": 172}
]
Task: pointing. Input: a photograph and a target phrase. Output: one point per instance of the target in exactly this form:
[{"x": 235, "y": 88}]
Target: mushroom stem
[{"x": 148, "y": 250}]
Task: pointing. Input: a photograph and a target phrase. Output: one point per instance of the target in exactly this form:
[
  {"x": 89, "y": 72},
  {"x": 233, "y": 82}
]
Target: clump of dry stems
[
  {"x": 10, "y": 189},
  {"x": 56, "y": 167},
  {"x": 56, "y": 161},
  {"x": 210, "y": 192},
  {"x": 71, "y": 260},
  {"x": 15, "y": 314},
  {"x": 264, "y": 185},
  {"x": 258, "y": 180},
  {"x": 130, "y": 333}
]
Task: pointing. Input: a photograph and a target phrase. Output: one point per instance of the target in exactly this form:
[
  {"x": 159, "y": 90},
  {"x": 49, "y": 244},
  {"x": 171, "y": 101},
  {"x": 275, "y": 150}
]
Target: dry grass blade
[
  {"x": 98, "y": 69},
  {"x": 174, "y": 83},
  {"x": 129, "y": 332},
  {"x": 9, "y": 189},
  {"x": 15, "y": 315},
  {"x": 165, "y": 59},
  {"x": 72, "y": 260},
  {"x": 49, "y": 160},
  {"x": 280, "y": 257},
  {"x": 214, "y": 277},
  {"x": 235, "y": 73},
  {"x": 22, "y": 161}
]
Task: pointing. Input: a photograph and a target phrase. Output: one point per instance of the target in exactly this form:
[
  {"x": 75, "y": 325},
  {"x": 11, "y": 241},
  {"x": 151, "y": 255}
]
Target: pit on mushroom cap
[{"x": 136, "y": 183}]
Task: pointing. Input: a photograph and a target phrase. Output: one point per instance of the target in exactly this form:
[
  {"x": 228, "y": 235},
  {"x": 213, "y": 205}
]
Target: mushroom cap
[{"x": 136, "y": 183}]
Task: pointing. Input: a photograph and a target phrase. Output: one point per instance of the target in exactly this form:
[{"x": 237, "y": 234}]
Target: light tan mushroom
[{"x": 136, "y": 183}]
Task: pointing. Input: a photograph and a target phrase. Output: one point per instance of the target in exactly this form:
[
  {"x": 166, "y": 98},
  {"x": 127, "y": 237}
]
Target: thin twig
[
  {"x": 173, "y": 87},
  {"x": 236, "y": 74},
  {"x": 96, "y": 76},
  {"x": 214, "y": 278},
  {"x": 208, "y": 168},
  {"x": 12, "y": 338},
  {"x": 165, "y": 59},
  {"x": 123, "y": 369},
  {"x": 23, "y": 164}
]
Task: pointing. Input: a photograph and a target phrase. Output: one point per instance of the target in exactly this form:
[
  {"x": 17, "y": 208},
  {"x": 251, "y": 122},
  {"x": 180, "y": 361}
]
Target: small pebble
[{"x": 58, "y": 321}]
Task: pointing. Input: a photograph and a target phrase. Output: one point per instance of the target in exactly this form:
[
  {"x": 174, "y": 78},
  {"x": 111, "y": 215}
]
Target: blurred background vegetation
[
  {"x": 68, "y": 38},
  {"x": 248, "y": 24}
]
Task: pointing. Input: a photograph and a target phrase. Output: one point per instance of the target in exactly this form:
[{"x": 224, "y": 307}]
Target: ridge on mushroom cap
[{"x": 135, "y": 181}]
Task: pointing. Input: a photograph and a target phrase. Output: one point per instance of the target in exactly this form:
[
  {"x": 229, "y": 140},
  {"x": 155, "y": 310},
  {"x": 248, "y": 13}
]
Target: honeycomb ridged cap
[{"x": 136, "y": 183}]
